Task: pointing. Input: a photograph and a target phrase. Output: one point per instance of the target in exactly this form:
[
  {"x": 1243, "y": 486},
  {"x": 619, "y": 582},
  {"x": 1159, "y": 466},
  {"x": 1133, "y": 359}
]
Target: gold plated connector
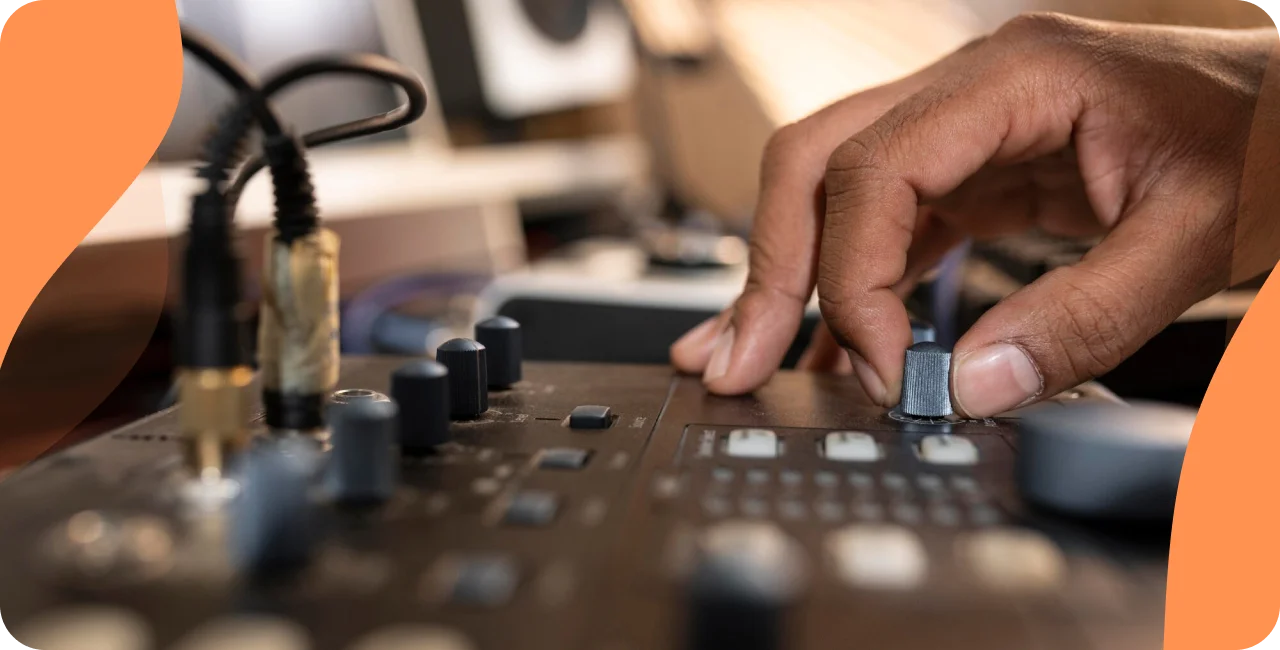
[{"x": 214, "y": 416}]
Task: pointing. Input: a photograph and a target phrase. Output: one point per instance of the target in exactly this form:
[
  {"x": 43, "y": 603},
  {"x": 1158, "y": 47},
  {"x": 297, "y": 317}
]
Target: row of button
[
  {"x": 893, "y": 557},
  {"x": 110, "y": 628},
  {"x": 852, "y": 446},
  {"x": 929, "y": 483},
  {"x": 829, "y": 510}
]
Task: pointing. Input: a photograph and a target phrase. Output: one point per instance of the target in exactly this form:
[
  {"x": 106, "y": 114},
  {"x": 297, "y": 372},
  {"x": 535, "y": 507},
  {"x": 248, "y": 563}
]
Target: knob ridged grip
[
  {"x": 468, "y": 378},
  {"x": 926, "y": 381},
  {"x": 362, "y": 467},
  {"x": 504, "y": 349},
  {"x": 421, "y": 389}
]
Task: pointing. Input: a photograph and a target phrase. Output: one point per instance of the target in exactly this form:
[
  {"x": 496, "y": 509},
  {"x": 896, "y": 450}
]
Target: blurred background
[{"x": 588, "y": 167}]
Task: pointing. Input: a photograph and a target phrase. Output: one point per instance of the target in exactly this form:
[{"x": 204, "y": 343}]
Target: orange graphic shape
[{"x": 90, "y": 87}]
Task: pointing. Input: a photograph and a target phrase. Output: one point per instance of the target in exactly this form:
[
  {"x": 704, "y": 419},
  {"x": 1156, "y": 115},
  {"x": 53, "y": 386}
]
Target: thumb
[{"x": 1076, "y": 323}]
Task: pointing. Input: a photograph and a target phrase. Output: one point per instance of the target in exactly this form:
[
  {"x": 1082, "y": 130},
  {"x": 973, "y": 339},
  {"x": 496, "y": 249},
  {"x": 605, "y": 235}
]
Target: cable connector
[
  {"x": 214, "y": 416},
  {"x": 298, "y": 329}
]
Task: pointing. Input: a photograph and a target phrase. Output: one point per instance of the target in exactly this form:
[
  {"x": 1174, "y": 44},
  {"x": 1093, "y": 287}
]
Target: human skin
[{"x": 1081, "y": 128}]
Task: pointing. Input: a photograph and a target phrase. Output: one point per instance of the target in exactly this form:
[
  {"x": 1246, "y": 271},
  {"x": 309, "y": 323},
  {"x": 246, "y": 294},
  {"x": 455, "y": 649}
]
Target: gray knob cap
[
  {"x": 421, "y": 389},
  {"x": 468, "y": 377},
  {"x": 926, "y": 381},
  {"x": 362, "y": 467},
  {"x": 504, "y": 349},
  {"x": 272, "y": 519}
]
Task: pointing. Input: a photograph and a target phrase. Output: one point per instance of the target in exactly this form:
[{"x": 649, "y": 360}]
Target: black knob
[
  {"x": 421, "y": 389},
  {"x": 468, "y": 378},
  {"x": 273, "y": 518},
  {"x": 926, "y": 381},
  {"x": 501, "y": 338},
  {"x": 740, "y": 590},
  {"x": 362, "y": 467}
]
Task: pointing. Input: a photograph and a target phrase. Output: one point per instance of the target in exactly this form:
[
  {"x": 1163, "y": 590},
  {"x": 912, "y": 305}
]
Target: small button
[
  {"x": 895, "y": 482},
  {"x": 792, "y": 509},
  {"x": 878, "y": 557},
  {"x": 752, "y": 443},
  {"x": 722, "y": 475},
  {"x": 791, "y": 477},
  {"x": 861, "y": 481},
  {"x": 930, "y": 483},
  {"x": 532, "y": 508},
  {"x": 487, "y": 581},
  {"x": 964, "y": 484},
  {"x": 948, "y": 450},
  {"x": 757, "y": 476},
  {"x": 944, "y": 515},
  {"x": 983, "y": 515},
  {"x": 569, "y": 458},
  {"x": 590, "y": 417},
  {"x": 753, "y": 507},
  {"x": 826, "y": 479},
  {"x": 851, "y": 447},
  {"x": 868, "y": 511},
  {"x": 715, "y": 506},
  {"x": 829, "y": 510},
  {"x": 907, "y": 513}
]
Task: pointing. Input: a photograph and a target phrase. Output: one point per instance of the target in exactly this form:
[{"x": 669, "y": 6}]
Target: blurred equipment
[
  {"x": 509, "y": 59},
  {"x": 591, "y": 506}
]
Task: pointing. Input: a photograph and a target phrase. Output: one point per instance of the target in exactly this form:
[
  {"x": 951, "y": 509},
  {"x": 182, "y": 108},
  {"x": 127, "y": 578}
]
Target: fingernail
[
  {"x": 995, "y": 379},
  {"x": 871, "y": 382},
  {"x": 700, "y": 336},
  {"x": 720, "y": 358}
]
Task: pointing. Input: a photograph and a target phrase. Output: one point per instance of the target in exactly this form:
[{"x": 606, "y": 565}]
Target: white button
[
  {"x": 86, "y": 628},
  {"x": 948, "y": 450},
  {"x": 852, "y": 447},
  {"x": 1014, "y": 560},
  {"x": 247, "y": 633},
  {"x": 878, "y": 557},
  {"x": 752, "y": 443},
  {"x": 414, "y": 637}
]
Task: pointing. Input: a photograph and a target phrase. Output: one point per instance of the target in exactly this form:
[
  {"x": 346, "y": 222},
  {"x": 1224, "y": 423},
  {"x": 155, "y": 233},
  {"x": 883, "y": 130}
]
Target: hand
[{"x": 1076, "y": 127}]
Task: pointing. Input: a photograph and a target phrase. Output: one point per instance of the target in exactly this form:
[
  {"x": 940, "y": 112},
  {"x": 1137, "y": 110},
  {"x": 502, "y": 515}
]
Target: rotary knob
[
  {"x": 926, "y": 381},
  {"x": 421, "y": 389},
  {"x": 273, "y": 518},
  {"x": 362, "y": 467},
  {"x": 468, "y": 377},
  {"x": 501, "y": 338}
]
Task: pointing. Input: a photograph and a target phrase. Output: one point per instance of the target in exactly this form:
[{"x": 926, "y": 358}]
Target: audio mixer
[{"x": 477, "y": 502}]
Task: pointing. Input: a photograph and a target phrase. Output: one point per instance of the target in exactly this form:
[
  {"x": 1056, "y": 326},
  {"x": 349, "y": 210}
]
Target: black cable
[
  {"x": 366, "y": 65},
  {"x": 225, "y": 65}
]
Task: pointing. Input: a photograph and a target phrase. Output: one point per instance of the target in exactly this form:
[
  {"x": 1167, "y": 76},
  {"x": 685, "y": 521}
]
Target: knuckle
[
  {"x": 784, "y": 145},
  {"x": 1038, "y": 27},
  {"x": 1095, "y": 324}
]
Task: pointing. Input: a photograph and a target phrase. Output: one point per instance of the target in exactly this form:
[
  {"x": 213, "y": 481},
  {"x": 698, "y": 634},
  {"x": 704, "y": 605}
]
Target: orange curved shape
[
  {"x": 1224, "y": 564},
  {"x": 90, "y": 87}
]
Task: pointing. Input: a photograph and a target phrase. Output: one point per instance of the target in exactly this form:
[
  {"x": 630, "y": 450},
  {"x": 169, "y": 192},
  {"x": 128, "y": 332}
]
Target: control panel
[{"x": 476, "y": 502}]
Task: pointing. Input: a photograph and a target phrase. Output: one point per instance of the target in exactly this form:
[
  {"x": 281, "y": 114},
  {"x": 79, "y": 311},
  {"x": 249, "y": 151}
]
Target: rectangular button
[
  {"x": 878, "y": 556},
  {"x": 568, "y": 458},
  {"x": 948, "y": 450},
  {"x": 851, "y": 446},
  {"x": 486, "y": 581},
  {"x": 752, "y": 443},
  {"x": 535, "y": 508},
  {"x": 590, "y": 417}
]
